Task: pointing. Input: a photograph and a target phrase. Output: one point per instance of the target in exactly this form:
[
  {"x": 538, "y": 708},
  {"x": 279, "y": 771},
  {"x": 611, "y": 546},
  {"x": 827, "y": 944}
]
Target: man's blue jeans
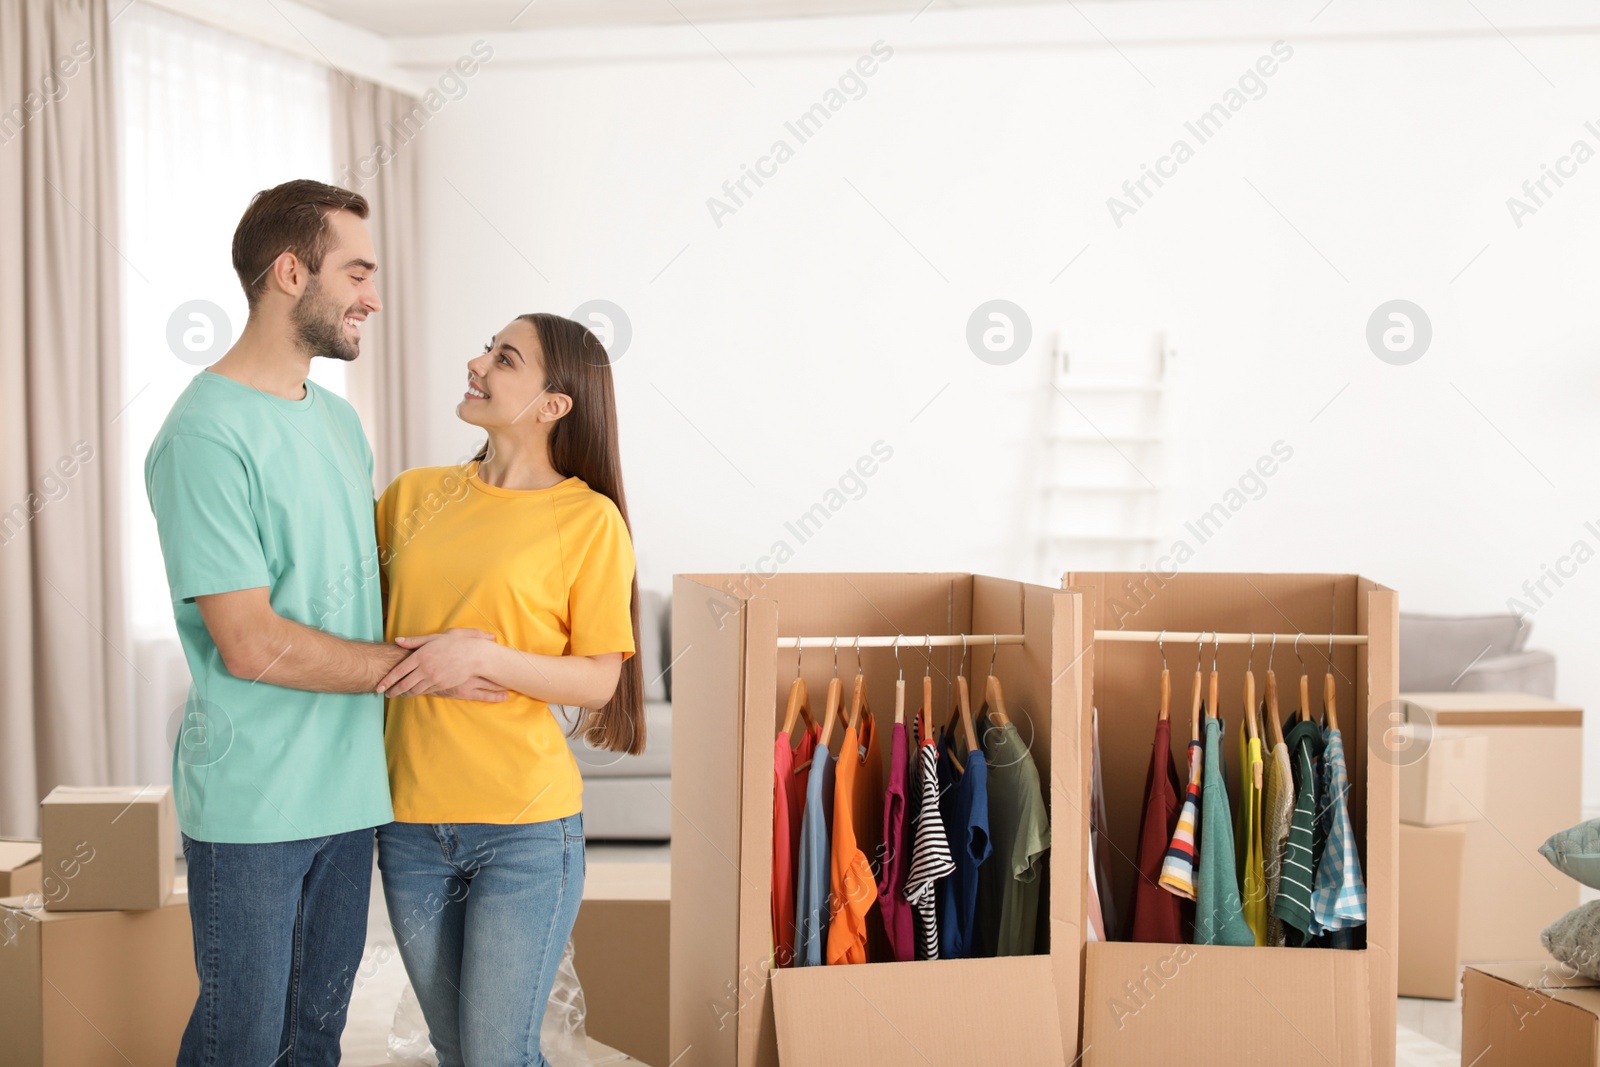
[
  {"x": 278, "y": 934},
  {"x": 482, "y": 913}
]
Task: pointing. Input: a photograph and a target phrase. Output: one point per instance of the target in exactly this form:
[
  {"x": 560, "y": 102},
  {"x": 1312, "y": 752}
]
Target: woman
[{"x": 520, "y": 567}]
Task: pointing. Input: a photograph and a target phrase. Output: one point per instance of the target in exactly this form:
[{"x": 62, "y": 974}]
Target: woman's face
[{"x": 506, "y": 384}]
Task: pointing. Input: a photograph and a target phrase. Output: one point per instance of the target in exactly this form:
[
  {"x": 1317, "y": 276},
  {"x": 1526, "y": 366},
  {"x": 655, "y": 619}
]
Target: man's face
[{"x": 337, "y": 299}]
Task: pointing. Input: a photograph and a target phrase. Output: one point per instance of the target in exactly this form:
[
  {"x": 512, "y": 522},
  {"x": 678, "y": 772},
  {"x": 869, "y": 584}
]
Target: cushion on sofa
[{"x": 1436, "y": 649}]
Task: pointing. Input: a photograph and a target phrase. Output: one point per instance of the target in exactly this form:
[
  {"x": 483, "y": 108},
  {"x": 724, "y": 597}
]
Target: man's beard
[{"x": 319, "y": 326}]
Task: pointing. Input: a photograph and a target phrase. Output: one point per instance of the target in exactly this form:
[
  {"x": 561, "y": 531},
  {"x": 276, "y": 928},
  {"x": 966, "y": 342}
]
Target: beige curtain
[
  {"x": 64, "y": 672},
  {"x": 375, "y": 154}
]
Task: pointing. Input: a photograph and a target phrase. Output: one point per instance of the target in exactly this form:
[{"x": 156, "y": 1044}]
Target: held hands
[{"x": 446, "y": 664}]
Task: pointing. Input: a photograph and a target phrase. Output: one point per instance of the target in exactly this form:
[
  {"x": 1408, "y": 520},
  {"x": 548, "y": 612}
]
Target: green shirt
[
  {"x": 253, "y": 490},
  {"x": 1219, "y": 914},
  {"x": 1019, "y": 830}
]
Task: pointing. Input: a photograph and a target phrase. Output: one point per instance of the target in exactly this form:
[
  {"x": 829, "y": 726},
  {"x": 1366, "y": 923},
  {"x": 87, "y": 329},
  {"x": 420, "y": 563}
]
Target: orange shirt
[{"x": 852, "y": 883}]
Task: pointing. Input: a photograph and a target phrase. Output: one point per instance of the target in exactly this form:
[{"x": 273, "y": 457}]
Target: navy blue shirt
[{"x": 964, "y": 805}]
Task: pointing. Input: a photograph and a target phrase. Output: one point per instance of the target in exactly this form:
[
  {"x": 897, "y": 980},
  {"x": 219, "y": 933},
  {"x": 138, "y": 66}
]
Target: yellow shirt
[{"x": 547, "y": 571}]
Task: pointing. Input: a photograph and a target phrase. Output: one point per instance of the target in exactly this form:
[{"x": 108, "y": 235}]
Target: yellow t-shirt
[{"x": 548, "y": 571}]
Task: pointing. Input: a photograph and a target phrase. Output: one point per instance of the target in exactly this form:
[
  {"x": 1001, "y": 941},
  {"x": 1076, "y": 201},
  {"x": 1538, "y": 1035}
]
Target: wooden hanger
[
  {"x": 962, "y": 710},
  {"x": 1211, "y": 710},
  {"x": 830, "y": 713},
  {"x": 1304, "y": 714},
  {"x": 926, "y": 711},
  {"x": 1329, "y": 715},
  {"x": 899, "y": 686},
  {"x": 994, "y": 696},
  {"x": 1274, "y": 715},
  {"x": 799, "y": 697},
  {"x": 858, "y": 695},
  {"x": 1252, "y": 731},
  {"x": 799, "y": 707},
  {"x": 1199, "y": 682},
  {"x": 1166, "y": 680}
]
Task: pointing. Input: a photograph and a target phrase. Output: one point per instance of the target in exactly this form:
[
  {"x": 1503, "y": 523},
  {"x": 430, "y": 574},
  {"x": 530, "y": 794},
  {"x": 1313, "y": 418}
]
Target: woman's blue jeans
[{"x": 482, "y": 913}]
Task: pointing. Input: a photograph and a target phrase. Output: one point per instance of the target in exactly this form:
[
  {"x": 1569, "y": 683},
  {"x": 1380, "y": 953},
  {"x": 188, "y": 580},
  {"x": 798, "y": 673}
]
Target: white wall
[{"x": 774, "y": 350}]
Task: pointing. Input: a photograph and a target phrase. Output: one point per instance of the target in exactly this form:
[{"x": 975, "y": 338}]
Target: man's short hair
[{"x": 291, "y": 217}]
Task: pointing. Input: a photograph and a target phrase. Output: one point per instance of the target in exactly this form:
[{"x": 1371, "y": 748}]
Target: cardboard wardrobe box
[
  {"x": 95, "y": 988},
  {"x": 1517, "y": 1014},
  {"x": 1430, "y": 910},
  {"x": 1450, "y": 783},
  {"x": 1533, "y": 789},
  {"x": 107, "y": 848},
  {"x": 729, "y": 1007},
  {"x": 1214, "y": 1004},
  {"x": 19, "y": 868},
  {"x": 620, "y": 952}
]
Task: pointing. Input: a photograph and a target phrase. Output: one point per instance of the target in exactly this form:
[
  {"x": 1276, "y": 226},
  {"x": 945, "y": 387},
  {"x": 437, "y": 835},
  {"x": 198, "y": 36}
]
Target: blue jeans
[
  {"x": 482, "y": 913},
  {"x": 278, "y": 933}
]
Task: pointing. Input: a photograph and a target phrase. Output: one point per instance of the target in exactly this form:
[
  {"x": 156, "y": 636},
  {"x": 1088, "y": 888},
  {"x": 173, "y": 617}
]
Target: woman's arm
[{"x": 444, "y": 661}]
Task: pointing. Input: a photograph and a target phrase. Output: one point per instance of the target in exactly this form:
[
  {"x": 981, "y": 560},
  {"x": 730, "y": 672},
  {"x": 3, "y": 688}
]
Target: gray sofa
[
  {"x": 630, "y": 797},
  {"x": 1472, "y": 654}
]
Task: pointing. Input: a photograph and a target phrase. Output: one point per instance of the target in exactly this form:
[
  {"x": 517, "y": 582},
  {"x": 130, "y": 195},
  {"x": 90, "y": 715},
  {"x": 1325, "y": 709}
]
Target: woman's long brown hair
[{"x": 584, "y": 443}]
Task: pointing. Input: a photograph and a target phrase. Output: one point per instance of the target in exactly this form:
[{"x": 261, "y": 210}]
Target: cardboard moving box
[
  {"x": 107, "y": 848},
  {"x": 1533, "y": 789},
  {"x": 19, "y": 868},
  {"x": 1517, "y": 1014},
  {"x": 1214, "y": 1004},
  {"x": 1430, "y": 910},
  {"x": 619, "y": 950},
  {"x": 95, "y": 988},
  {"x": 1449, "y": 784},
  {"x": 728, "y": 1005}
]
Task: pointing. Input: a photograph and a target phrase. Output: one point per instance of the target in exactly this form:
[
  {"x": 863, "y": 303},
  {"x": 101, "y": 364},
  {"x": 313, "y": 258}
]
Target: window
[{"x": 205, "y": 120}]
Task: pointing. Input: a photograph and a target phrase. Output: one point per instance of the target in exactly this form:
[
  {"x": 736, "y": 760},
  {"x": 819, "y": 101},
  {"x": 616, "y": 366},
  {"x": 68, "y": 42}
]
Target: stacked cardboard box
[
  {"x": 19, "y": 868},
  {"x": 620, "y": 952},
  {"x": 96, "y": 956},
  {"x": 1532, "y": 787},
  {"x": 1515, "y": 1014}
]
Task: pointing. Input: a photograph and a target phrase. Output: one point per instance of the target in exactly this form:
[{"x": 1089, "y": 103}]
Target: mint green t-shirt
[{"x": 251, "y": 490}]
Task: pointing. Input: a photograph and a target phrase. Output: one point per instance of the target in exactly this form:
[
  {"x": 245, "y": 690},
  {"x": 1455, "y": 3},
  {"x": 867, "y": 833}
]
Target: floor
[
  {"x": 381, "y": 978},
  {"x": 1428, "y": 1032}
]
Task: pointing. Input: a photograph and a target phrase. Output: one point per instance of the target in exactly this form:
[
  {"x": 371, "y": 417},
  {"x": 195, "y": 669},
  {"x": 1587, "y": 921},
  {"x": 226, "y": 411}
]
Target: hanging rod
[
  {"x": 907, "y": 641},
  {"x": 1173, "y": 637},
  {"x": 1189, "y": 637}
]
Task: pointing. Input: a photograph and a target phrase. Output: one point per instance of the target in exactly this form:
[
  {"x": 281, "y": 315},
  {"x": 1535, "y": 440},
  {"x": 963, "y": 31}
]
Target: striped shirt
[
  {"x": 1297, "y": 876},
  {"x": 930, "y": 851},
  {"x": 1177, "y": 870}
]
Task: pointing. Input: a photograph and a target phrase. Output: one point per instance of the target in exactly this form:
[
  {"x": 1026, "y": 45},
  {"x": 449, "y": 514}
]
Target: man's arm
[
  {"x": 442, "y": 660},
  {"x": 257, "y": 643}
]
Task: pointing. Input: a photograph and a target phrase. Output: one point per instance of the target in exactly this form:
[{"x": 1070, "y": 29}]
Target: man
[{"x": 261, "y": 483}]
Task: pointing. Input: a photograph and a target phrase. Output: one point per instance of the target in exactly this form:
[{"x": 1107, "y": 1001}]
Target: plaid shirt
[{"x": 1339, "y": 901}]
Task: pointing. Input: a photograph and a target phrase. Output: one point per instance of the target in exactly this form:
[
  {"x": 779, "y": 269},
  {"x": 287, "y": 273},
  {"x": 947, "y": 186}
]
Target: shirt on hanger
[
  {"x": 1339, "y": 898},
  {"x": 1218, "y": 912},
  {"x": 1277, "y": 810},
  {"x": 1293, "y": 903},
  {"x": 894, "y": 873},
  {"x": 1247, "y": 840},
  {"x": 1156, "y": 915},
  {"x": 931, "y": 861},
  {"x": 813, "y": 865},
  {"x": 965, "y": 806},
  {"x": 1100, "y": 833},
  {"x": 1019, "y": 830},
  {"x": 868, "y": 810},
  {"x": 788, "y": 800},
  {"x": 852, "y": 883},
  {"x": 1177, "y": 870}
]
